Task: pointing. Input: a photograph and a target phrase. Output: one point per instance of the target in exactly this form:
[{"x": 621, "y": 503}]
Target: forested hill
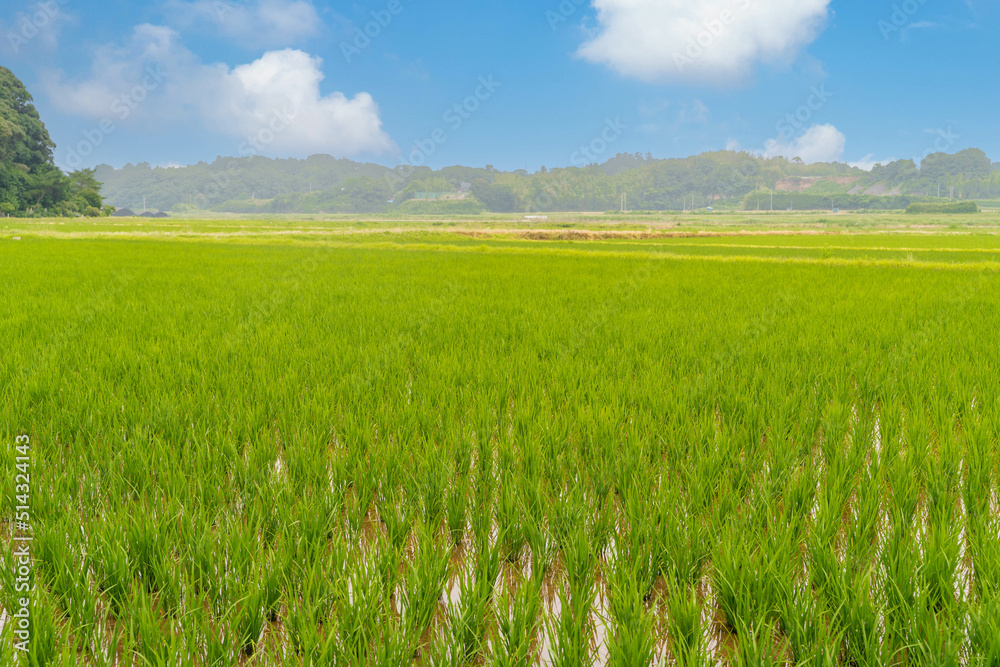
[
  {"x": 738, "y": 179},
  {"x": 30, "y": 183}
]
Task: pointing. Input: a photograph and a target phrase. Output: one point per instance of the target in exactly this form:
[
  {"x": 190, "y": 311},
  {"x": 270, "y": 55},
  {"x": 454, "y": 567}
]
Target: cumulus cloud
[
  {"x": 820, "y": 143},
  {"x": 273, "y": 105},
  {"x": 255, "y": 23},
  {"x": 701, "y": 41}
]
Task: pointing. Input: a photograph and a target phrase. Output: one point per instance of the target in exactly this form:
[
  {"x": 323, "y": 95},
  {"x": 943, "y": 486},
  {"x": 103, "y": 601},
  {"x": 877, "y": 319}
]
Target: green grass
[{"x": 313, "y": 444}]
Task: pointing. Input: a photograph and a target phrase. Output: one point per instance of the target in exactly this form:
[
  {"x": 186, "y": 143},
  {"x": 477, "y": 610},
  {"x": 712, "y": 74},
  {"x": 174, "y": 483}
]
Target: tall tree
[
  {"x": 24, "y": 141},
  {"x": 29, "y": 180}
]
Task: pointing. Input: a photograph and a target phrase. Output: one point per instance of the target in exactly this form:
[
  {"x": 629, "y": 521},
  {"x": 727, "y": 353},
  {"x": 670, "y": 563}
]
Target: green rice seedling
[
  {"x": 603, "y": 523},
  {"x": 45, "y": 632},
  {"x": 113, "y": 570},
  {"x": 638, "y": 548},
  {"x": 146, "y": 538},
  {"x": 263, "y": 516},
  {"x": 580, "y": 562},
  {"x": 457, "y": 508},
  {"x": 984, "y": 632},
  {"x": 248, "y": 618},
  {"x": 486, "y": 566},
  {"x": 221, "y": 644},
  {"x": 67, "y": 575},
  {"x": 152, "y": 647},
  {"x": 199, "y": 548},
  {"x": 684, "y": 625},
  {"x": 569, "y": 631},
  {"x": 311, "y": 531},
  {"x": 302, "y": 618},
  {"x": 8, "y": 654},
  {"x": 102, "y": 650},
  {"x": 425, "y": 582},
  {"x": 396, "y": 646},
  {"x": 397, "y": 517},
  {"x": 938, "y": 570},
  {"x": 810, "y": 636},
  {"x": 939, "y": 639},
  {"x": 467, "y": 618},
  {"x": 359, "y": 503},
  {"x": 899, "y": 565},
  {"x": 357, "y": 613},
  {"x": 984, "y": 543},
  {"x": 682, "y": 544},
  {"x": 977, "y": 491},
  {"x": 569, "y": 513},
  {"x": 434, "y": 481},
  {"x": 518, "y": 622},
  {"x": 757, "y": 645},
  {"x": 170, "y": 585},
  {"x": 541, "y": 544},
  {"x": 387, "y": 562},
  {"x": 483, "y": 499},
  {"x": 857, "y": 619},
  {"x": 633, "y": 638},
  {"x": 509, "y": 522},
  {"x": 749, "y": 582}
]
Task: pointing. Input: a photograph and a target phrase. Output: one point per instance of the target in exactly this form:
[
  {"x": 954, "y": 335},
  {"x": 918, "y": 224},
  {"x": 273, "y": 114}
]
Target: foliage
[
  {"x": 806, "y": 201},
  {"x": 29, "y": 181},
  {"x": 322, "y": 184},
  {"x": 942, "y": 207}
]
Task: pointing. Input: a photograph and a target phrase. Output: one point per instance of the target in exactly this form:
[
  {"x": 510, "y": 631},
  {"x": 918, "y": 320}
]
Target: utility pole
[
  {"x": 144, "y": 203},
  {"x": 772, "y": 200}
]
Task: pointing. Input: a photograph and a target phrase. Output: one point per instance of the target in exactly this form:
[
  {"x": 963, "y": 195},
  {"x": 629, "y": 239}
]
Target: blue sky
[{"x": 180, "y": 81}]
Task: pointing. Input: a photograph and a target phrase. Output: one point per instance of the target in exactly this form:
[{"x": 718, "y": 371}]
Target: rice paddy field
[{"x": 387, "y": 443}]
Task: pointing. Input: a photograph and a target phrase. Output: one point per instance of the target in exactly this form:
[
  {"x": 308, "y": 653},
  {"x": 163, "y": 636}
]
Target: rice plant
[{"x": 413, "y": 449}]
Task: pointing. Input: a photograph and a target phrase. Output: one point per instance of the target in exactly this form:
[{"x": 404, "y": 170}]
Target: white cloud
[
  {"x": 274, "y": 104},
  {"x": 820, "y": 143},
  {"x": 868, "y": 162},
  {"x": 701, "y": 41},
  {"x": 36, "y": 29},
  {"x": 255, "y": 23}
]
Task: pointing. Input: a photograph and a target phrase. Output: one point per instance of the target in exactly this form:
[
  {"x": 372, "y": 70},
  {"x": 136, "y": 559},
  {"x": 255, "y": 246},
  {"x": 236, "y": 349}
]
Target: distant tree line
[
  {"x": 323, "y": 184},
  {"x": 943, "y": 207}
]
